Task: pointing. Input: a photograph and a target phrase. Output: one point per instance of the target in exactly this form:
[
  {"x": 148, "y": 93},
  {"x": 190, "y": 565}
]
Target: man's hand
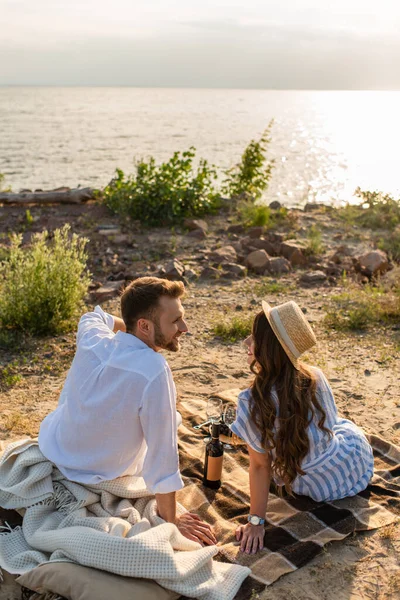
[
  {"x": 192, "y": 527},
  {"x": 251, "y": 537}
]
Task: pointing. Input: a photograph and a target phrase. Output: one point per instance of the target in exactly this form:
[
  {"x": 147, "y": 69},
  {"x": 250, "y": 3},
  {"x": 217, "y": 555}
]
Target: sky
[{"x": 255, "y": 44}]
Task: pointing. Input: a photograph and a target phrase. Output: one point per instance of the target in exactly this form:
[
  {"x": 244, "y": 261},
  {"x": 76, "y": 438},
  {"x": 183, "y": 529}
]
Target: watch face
[{"x": 255, "y": 520}]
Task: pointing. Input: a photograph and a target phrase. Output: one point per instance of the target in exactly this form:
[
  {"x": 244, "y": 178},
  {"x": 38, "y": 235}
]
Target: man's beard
[{"x": 160, "y": 340}]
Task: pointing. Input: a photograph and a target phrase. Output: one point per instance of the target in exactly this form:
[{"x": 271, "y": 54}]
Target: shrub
[
  {"x": 315, "y": 245},
  {"x": 165, "y": 193},
  {"x": 238, "y": 328},
  {"x": 391, "y": 244},
  {"x": 376, "y": 211},
  {"x": 42, "y": 288},
  {"x": 251, "y": 176}
]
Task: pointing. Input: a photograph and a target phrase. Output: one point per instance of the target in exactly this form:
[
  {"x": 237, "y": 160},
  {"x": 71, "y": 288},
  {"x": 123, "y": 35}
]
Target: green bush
[
  {"x": 391, "y": 244},
  {"x": 42, "y": 287},
  {"x": 166, "y": 193},
  {"x": 251, "y": 176},
  {"x": 314, "y": 246},
  {"x": 376, "y": 211},
  {"x": 238, "y": 328}
]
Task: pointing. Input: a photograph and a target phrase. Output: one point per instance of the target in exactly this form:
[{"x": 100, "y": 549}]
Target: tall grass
[
  {"x": 361, "y": 308},
  {"x": 234, "y": 329}
]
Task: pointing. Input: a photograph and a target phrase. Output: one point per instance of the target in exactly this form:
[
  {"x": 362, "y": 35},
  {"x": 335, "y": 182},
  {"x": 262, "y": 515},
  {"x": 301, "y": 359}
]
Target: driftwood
[{"x": 58, "y": 196}]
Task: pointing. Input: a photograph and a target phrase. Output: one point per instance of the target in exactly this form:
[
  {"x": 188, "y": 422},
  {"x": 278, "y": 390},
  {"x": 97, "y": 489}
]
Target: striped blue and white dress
[{"x": 335, "y": 467}]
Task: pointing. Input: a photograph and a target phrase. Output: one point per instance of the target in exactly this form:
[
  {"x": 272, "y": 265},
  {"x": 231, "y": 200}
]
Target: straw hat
[{"x": 291, "y": 328}]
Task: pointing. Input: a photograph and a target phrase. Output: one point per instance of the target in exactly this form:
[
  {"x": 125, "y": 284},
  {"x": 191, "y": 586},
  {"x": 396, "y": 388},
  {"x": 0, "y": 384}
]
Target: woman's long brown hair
[{"x": 298, "y": 403}]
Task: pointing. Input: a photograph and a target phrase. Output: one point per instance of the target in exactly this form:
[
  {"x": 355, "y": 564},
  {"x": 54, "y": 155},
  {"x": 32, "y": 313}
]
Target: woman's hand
[
  {"x": 251, "y": 538},
  {"x": 192, "y": 527}
]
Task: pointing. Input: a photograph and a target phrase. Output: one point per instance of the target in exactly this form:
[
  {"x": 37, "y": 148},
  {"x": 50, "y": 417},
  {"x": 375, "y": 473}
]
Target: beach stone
[
  {"x": 374, "y": 262},
  {"x": 190, "y": 274},
  {"x": 258, "y": 261},
  {"x": 313, "y": 278},
  {"x": 293, "y": 251},
  {"x": 278, "y": 265},
  {"x": 108, "y": 230},
  {"x": 198, "y": 234},
  {"x": 193, "y": 224},
  {"x": 261, "y": 244},
  {"x": 255, "y": 232},
  {"x": 210, "y": 273},
  {"x": 234, "y": 268},
  {"x": 310, "y": 206},
  {"x": 173, "y": 270},
  {"x": 236, "y": 228},
  {"x": 224, "y": 254},
  {"x": 275, "y": 205},
  {"x": 110, "y": 289}
]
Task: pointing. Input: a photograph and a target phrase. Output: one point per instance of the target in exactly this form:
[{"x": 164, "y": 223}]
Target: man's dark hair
[{"x": 140, "y": 299}]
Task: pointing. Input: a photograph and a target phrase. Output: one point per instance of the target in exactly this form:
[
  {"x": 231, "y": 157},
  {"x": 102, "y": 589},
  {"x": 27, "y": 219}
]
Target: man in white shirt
[{"x": 117, "y": 411}]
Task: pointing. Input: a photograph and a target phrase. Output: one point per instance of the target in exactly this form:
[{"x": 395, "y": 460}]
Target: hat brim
[{"x": 267, "y": 308}]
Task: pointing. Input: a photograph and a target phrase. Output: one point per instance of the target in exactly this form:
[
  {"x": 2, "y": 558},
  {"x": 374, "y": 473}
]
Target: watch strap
[{"x": 260, "y": 520}]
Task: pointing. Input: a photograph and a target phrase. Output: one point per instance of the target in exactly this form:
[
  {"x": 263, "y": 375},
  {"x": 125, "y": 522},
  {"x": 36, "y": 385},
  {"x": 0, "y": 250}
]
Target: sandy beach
[{"x": 363, "y": 367}]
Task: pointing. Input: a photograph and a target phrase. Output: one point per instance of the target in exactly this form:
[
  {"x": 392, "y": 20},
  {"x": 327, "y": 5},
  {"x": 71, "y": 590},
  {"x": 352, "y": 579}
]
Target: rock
[
  {"x": 198, "y": 234},
  {"x": 275, "y": 205},
  {"x": 224, "y": 254},
  {"x": 261, "y": 244},
  {"x": 310, "y": 206},
  {"x": 258, "y": 261},
  {"x": 173, "y": 270},
  {"x": 278, "y": 265},
  {"x": 333, "y": 270},
  {"x": 293, "y": 251},
  {"x": 313, "y": 278},
  {"x": 374, "y": 262},
  {"x": 108, "y": 231},
  {"x": 193, "y": 224},
  {"x": 190, "y": 274},
  {"x": 210, "y": 273},
  {"x": 120, "y": 238},
  {"x": 340, "y": 253},
  {"x": 255, "y": 232},
  {"x": 238, "y": 270},
  {"x": 235, "y": 228},
  {"x": 117, "y": 277},
  {"x": 109, "y": 290}
]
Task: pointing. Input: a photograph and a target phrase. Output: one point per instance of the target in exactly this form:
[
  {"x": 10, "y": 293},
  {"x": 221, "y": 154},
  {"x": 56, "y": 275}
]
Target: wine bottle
[{"x": 213, "y": 460}]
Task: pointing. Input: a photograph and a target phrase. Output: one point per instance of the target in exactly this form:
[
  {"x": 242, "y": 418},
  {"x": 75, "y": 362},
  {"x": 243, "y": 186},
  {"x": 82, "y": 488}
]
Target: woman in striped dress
[{"x": 289, "y": 421}]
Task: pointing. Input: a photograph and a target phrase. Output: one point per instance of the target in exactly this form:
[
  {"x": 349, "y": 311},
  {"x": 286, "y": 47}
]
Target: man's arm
[{"x": 189, "y": 524}]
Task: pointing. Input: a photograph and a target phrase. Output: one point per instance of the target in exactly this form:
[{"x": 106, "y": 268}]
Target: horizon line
[{"x": 185, "y": 87}]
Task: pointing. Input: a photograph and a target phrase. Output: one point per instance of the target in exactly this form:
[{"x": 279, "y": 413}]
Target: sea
[{"x": 325, "y": 144}]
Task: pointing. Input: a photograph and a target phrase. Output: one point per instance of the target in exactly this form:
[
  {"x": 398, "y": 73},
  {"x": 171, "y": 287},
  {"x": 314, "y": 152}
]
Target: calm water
[{"x": 325, "y": 143}]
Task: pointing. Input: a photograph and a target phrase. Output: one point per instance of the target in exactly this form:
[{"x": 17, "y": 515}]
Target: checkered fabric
[{"x": 296, "y": 528}]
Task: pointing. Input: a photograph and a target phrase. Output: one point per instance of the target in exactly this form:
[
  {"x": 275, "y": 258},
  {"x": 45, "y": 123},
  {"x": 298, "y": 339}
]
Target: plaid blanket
[{"x": 297, "y": 528}]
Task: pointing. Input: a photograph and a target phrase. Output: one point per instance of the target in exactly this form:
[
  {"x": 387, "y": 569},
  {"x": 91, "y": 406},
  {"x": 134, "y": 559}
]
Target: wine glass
[
  {"x": 213, "y": 411},
  {"x": 229, "y": 417}
]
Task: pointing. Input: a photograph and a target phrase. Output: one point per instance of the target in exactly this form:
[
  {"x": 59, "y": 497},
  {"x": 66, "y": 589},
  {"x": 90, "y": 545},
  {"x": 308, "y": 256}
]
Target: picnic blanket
[
  {"x": 297, "y": 528},
  {"x": 111, "y": 526}
]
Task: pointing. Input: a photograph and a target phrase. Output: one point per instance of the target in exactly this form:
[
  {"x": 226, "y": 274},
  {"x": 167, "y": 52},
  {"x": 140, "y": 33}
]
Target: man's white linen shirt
[{"x": 117, "y": 411}]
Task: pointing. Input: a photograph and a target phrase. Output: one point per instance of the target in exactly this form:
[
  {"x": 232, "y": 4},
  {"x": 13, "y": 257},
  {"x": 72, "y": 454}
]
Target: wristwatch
[{"x": 255, "y": 520}]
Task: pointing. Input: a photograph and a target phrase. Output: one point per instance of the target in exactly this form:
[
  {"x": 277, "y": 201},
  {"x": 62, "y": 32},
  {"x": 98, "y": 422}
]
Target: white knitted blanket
[{"x": 111, "y": 526}]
